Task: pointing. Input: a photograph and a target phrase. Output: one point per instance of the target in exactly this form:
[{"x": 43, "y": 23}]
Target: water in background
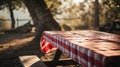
[{"x": 22, "y": 16}]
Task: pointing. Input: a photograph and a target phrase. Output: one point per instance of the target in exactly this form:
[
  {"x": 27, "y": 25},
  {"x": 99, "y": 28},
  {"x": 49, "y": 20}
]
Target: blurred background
[{"x": 70, "y": 14}]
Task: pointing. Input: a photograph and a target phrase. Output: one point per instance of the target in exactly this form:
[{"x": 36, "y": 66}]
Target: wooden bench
[
  {"x": 31, "y": 61},
  {"x": 35, "y": 61}
]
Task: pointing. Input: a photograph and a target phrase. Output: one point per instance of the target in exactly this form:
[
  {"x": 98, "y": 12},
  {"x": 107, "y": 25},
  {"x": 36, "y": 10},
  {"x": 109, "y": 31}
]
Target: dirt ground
[{"x": 13, "y": 45}]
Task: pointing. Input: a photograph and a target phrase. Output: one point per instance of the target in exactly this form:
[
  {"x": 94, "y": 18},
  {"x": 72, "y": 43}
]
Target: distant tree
[
  {"x": 11, "y": 5},
  {"x": 113, "y": 7},
  {"x": 96, "y": 14},
  {"x": 53, "y": 5}
]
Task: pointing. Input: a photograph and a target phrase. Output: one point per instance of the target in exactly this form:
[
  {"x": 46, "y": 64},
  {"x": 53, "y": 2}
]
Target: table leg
[
  {"x": 56, "y": 61},
  {"x": 57, "y": 55}
]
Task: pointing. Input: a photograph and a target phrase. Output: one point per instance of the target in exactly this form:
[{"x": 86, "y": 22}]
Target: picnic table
[{"x": 87, "y": 47}]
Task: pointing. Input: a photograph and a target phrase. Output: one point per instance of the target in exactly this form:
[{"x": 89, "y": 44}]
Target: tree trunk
[
  {"x": 11, "y": 13},
  {"x": 42, "y": 18},
  {"x": 96, "y": 16}
]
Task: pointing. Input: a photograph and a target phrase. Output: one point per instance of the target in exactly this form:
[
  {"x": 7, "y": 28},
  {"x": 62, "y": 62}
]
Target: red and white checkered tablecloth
[{"x": 76, "y": 45}]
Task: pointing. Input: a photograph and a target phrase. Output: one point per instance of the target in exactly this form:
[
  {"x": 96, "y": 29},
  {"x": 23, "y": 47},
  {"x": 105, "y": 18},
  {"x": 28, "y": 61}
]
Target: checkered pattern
[{"x": 84, "y": 56}]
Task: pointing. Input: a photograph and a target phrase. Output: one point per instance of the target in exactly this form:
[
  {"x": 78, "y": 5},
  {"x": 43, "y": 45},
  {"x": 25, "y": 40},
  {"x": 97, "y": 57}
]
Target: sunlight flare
[{"x": 77, "y": 1}]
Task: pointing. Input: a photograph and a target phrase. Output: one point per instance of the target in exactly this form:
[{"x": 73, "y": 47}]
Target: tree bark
[
  {"x": 41, "y": 16},
  {"x": 96, "y": 16},
  {"x": 11, "y": 13}
]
